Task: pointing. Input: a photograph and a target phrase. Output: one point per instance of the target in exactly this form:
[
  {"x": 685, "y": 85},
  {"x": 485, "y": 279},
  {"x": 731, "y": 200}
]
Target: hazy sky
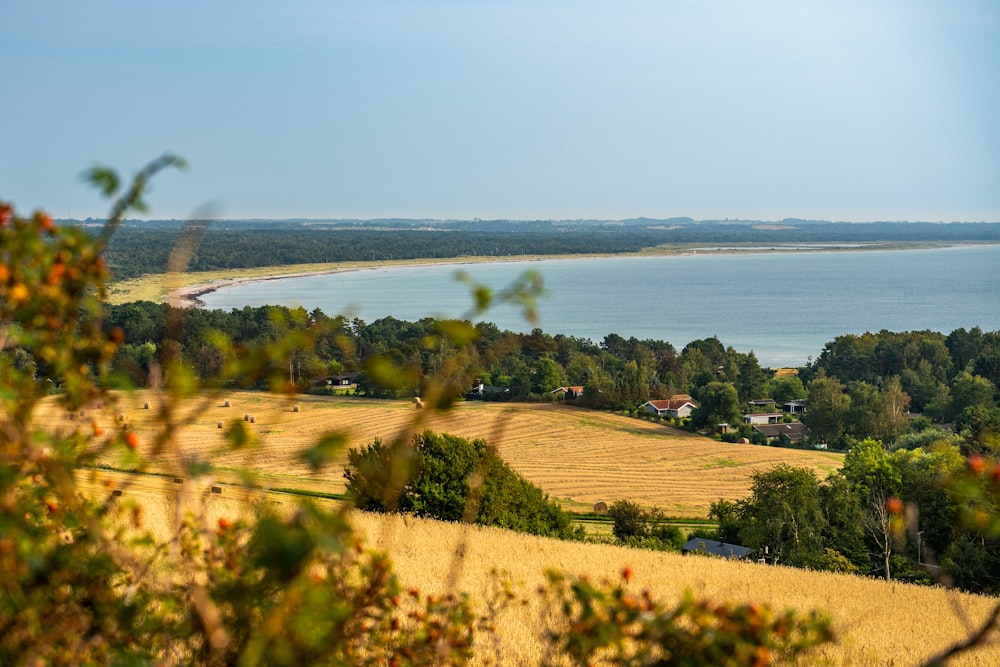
[{"x": 842, "y": 110}]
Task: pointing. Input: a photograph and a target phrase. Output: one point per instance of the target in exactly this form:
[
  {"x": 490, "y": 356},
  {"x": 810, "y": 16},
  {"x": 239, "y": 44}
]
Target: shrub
[{"x": 446, "y": 477}]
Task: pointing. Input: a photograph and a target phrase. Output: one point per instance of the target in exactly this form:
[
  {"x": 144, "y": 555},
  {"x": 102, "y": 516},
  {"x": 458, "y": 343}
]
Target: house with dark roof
[
  {"x": 796, "y": 407},
  {"x": 486, "y": 392},
  {"x": 791, "y": 433},
  {"x": 568, "y": 392},
  {"x": 700, "y": 545},
  {"x": 675, "y": 407}
]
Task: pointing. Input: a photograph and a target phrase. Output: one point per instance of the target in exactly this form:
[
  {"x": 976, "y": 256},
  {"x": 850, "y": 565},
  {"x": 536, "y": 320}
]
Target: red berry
[
  {"x": 224, "y": 524},
  {"x": 976, "y": 464},
  {"x": 131, "y": 439},
  {"x": 627, "y": 573},
  {"x": 895, "y": 505}
]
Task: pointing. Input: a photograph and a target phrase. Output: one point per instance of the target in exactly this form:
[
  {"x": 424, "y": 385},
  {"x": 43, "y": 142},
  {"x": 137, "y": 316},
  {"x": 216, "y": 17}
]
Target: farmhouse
[
  {"x": 677, "y": 406},
  {"x": 792, "y": 433},
  {"x": 713, "y": 548}
]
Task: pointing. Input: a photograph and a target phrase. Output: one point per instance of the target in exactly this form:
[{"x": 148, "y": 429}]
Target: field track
[{"x": 577, "y": 456}]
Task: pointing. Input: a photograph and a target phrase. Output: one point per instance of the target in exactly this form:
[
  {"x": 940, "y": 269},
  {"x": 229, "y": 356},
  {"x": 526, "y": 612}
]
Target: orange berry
[
  {"x": 976, "y": 464},
  {"x": 895, "y": 505},
  {"x": 5, "y": 210},
  {"x": 224, "y": 524},
  {"x": 627, "y": 573},
  {"x": 45, "y": 220},
  {"x": 18, "y": 293},
  {"x": 131, "y": 439}
]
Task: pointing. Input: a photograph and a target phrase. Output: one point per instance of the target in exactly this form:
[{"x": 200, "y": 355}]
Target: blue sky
[{"x": 846, "y": 110}]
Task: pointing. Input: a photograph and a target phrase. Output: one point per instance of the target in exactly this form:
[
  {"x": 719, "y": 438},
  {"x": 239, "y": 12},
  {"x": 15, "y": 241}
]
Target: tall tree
[{"x": 828, "y": 407}]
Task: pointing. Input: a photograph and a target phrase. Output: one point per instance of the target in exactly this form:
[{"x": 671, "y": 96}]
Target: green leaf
[{"x": 325, "y": 450}]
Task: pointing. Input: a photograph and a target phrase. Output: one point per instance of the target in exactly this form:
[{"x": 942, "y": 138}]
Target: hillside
[{"x": 577, "y": 456}]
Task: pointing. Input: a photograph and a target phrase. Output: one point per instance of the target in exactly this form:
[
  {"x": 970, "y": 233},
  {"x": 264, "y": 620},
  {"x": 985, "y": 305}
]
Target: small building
[
  {"x": 700, "y": 545},
  {"x": 796, "y": 407},
  {"x": 675, "y": 407},
  {"x": 766, "y": 404},
  {"x": 568, "y": 392},
  {"x": 486, "y": 392},
  {"x": 792, "y": 433},
  {"x": 763, "y": 418},
  {"x": 339, "y": 381}
]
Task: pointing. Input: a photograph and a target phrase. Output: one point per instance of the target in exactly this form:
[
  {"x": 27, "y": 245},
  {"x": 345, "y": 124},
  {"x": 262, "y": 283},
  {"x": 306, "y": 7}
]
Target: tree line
[
  {"x": 886, "y": 385},
  {"x": 142, "y": 247}
]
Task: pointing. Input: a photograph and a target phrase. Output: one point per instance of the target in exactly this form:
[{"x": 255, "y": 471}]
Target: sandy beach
[{"x": 184, "y": 290}]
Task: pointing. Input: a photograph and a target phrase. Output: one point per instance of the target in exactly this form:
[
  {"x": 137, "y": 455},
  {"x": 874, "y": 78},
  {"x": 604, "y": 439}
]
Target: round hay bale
[
  {"x": 226, "y": 404},
  {"x": 145, "y": 406},
  {"x": 295, "y": 408},
  {"x": 601, "y": 507},
  {"x": 246, "y": 417},
  {"x": 121, "y": 416},
  {"x": 743, "y": 441},
  {"x": 219, "y": 425},
  {"x": 253, "y": 419}
]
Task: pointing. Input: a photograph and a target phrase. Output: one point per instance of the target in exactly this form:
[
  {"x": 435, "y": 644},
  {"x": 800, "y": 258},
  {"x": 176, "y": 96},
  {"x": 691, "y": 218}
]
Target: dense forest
[{"x": 142, "y": 247}]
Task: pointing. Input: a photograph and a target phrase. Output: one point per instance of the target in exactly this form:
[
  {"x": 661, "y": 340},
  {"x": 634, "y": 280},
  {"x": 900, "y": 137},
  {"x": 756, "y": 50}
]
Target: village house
[
  {"x": 714, "y": 548},
  {"x": 796, "y": 407},
  {"x": 675, "y": 407},
  {"x": 763, "y": 418},
  {"x": 792, "y": 433},
  {"x": 766, "y": 404},
  {"x": 568, "y": 392}
]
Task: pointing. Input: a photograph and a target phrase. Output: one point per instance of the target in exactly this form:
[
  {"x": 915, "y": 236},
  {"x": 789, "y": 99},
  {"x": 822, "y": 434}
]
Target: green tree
[
  {"x": 718, "y": 403},
  {"x": 784, "y": 514},
  {"x": 828, "y": 409}
]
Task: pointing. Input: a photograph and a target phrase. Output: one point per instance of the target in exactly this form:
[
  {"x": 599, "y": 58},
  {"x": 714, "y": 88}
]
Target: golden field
[
  {"x": 876, "y": 623},
  {"x": 579, "y": 457}
]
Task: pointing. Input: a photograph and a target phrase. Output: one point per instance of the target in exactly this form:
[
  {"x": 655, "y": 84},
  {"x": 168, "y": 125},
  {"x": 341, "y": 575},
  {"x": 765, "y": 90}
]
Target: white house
[
  {"x": 762, "y": 418},
  {"x": 675, "y": 407}
]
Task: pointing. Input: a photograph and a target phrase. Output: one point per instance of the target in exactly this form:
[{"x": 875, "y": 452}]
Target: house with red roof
[{"x": 675, "y": 407}]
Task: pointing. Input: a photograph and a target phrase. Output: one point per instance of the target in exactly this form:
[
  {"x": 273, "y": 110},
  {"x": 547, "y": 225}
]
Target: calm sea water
[{"x": 784, "y": 306}]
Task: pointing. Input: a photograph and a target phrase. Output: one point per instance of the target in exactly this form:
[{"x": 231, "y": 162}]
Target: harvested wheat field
[
  {"x": 877, "y": 623},
  {"x": 577, "y": 456}
]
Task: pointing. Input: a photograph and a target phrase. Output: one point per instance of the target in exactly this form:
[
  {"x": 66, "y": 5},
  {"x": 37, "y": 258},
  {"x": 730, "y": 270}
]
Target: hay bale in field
[
  {"x": 246, "y": 416},
  {"x": 601, "y": 507},
  {"x": 145, "y": 406},
  {"x": 295, "y": 408},
  {"x": 219, "y": 425},
  {"x": 121, "y": 416},
  {"x": 253, "y": 419},
  {"x": 216, "y": 489},
  {"x": 226, "y": 404},
  {"x": 417, "y": 402},
  {"x": 116, "y": 493},
  {"x": 743, "y": 441}
]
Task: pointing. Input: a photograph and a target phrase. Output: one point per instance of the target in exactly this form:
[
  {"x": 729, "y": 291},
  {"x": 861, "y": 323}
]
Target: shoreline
[{"x": 170, "y": 288}]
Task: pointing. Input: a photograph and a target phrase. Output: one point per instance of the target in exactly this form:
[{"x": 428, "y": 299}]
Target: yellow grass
[
  {"x": 585, "y": 456},
  {"x": 579, "y": 457},
  {"x": 876, "y": 623}
]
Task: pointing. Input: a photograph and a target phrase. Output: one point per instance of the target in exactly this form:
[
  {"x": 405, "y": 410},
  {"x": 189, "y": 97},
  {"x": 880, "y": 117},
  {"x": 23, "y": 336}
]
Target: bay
[{"x": 784, "y": 306}]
